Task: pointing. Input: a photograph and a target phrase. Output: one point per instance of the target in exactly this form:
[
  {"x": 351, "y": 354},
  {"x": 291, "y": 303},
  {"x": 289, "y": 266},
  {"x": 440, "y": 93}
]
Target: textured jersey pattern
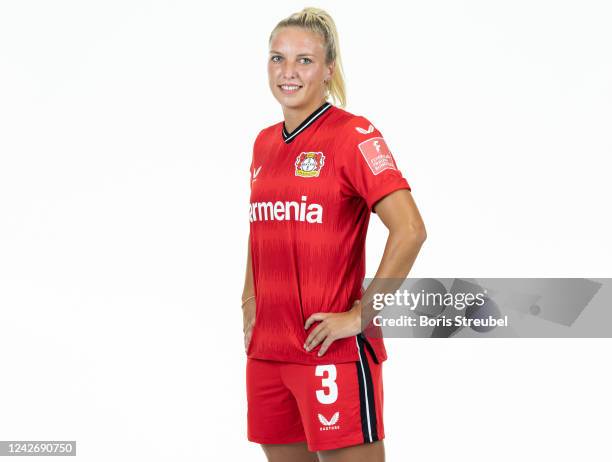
[{"x": 311, "y": 199}]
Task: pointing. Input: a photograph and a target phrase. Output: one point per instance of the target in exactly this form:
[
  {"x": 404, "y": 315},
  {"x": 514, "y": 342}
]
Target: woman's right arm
[{"x": 248, "y": 293}]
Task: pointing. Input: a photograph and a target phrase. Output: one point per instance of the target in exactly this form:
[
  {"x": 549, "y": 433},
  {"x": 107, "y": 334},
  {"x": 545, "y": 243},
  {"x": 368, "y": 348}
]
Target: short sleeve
[
  {"x": 251, "y": 168},
  {"x": 253, "y": 173},
  {"x": 367, "y": 167}
]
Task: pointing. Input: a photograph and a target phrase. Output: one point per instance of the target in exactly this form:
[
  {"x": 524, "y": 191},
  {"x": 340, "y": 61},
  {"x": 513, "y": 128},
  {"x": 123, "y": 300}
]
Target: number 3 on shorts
[{"x": 329, "y": 382}]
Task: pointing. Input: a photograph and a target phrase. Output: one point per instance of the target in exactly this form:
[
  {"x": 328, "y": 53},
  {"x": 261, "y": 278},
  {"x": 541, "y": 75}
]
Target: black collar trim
[{"x": 288, "y": 137}]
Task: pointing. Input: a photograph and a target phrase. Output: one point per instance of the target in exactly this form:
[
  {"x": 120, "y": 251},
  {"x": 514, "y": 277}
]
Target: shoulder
[
  {"x": 352, "y": 130},
  {"x": 353, "y": 123},
  {"x": 268, "y": 133}
]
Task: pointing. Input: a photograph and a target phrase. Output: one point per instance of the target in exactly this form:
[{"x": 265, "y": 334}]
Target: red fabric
[
  {"x": 284, "y": 404},
  {"x": 310, "y": 208}
]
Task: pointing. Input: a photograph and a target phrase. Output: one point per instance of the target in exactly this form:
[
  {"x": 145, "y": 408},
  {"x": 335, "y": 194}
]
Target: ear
[{"x": 331, "y": 68}]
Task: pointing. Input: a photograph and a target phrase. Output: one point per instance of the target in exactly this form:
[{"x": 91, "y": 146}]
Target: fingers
[
  {"x": 322, "y": 333},
  {"x": 247, "y": 339},
  {"x": 248, "y": 321},
  {"x": 328, "y": 341},
  {"x": 248, "y": 333},
  {"x": 316, "y": 336},
  {"x": 314, "y": 317}
]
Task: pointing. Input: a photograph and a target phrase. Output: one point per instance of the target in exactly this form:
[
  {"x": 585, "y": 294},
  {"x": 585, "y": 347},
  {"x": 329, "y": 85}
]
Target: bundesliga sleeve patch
[{"x": 377, "y": 155}]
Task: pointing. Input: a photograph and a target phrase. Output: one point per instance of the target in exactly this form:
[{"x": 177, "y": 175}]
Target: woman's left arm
[
  {"x": 407, "y": 233},
  {"x": 401, "y": 216}
]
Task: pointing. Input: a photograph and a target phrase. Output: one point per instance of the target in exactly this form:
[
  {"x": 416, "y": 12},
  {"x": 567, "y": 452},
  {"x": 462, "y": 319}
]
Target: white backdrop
[{"x": 126, "y": 131}]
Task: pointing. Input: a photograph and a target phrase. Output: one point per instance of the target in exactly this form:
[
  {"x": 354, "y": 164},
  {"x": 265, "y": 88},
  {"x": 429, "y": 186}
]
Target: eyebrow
[{"x": 301, "y": 54}]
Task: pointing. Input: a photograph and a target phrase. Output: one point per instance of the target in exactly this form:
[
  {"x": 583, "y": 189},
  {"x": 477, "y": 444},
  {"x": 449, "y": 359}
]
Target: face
[{"x": 297, "y": 58}]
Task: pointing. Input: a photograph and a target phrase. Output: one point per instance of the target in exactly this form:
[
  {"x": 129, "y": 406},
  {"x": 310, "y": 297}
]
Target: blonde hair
[{"x": 320, "y": 22}]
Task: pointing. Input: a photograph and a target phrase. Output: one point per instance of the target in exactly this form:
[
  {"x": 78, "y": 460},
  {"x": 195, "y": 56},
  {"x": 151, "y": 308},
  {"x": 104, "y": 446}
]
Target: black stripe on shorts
[{"x": 366, "y": 395}]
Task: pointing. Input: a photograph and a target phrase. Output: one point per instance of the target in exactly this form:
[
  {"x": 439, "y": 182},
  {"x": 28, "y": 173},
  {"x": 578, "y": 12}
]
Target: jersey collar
[{"x": 288, "y": 137}]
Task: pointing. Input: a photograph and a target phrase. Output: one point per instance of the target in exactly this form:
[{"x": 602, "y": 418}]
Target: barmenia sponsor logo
[{"x": 286, "y": 210}]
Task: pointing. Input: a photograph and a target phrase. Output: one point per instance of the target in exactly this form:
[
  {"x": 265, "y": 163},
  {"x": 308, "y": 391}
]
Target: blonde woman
[{"x": 314, "y": 380}]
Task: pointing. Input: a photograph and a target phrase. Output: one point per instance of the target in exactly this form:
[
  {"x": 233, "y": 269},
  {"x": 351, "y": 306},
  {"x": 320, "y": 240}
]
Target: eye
[
  {"x": 273, "y": 60},
  {"x": 307, "y": 59}
]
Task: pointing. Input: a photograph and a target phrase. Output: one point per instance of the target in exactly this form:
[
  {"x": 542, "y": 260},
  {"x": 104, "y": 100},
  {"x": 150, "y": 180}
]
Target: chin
[{"x": 290, "y": 101}]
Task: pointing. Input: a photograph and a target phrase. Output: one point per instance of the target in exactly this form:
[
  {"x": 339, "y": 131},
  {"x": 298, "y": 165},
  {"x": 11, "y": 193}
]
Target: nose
[{"x": 288, "y": 70}]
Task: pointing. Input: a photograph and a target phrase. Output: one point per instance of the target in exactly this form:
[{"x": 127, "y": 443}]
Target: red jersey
[{"x": 312, "y": 191}]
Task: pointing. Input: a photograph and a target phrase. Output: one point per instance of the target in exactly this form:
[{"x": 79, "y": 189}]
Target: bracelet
[{"x": 246, "y": 300}]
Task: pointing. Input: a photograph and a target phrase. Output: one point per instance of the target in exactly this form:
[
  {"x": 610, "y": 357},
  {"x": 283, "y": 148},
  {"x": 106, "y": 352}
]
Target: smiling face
[{"x": 297, "y": 69}]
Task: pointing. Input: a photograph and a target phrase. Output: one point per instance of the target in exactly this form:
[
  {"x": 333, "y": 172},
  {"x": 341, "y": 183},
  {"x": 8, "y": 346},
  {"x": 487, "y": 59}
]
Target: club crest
[{"x": 309, "y": 164}]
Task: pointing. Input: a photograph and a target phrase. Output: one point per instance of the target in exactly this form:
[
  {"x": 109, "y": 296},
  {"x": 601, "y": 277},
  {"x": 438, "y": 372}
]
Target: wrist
[
  {"x": 356, "y": 310},
  {"x": 246, "y": 300}
]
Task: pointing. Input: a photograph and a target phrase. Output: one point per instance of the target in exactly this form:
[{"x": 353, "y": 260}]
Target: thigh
[
  {"x": 273, "y": 417},
  {"x": 296, "y": 452},
  {"x": 371, "y": 452}
]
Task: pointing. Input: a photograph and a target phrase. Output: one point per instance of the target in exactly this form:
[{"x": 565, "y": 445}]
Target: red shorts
[{"x": 329, "y": 406}]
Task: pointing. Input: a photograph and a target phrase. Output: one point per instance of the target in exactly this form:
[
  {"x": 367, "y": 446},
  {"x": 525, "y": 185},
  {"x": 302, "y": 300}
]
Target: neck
[{"x": 295, "y": 116}]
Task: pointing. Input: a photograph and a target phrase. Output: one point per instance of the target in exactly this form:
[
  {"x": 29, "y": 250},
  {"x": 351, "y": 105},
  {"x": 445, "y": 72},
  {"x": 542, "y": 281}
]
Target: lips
[{"x": 290, "y": 89}]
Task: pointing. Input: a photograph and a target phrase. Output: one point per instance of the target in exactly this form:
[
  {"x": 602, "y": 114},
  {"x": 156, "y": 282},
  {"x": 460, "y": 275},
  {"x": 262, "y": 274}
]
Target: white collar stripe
[{"x": 309, "y": 120}]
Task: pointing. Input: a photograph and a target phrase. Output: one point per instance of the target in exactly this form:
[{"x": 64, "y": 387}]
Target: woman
[{"x": 314, "y": 381}]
